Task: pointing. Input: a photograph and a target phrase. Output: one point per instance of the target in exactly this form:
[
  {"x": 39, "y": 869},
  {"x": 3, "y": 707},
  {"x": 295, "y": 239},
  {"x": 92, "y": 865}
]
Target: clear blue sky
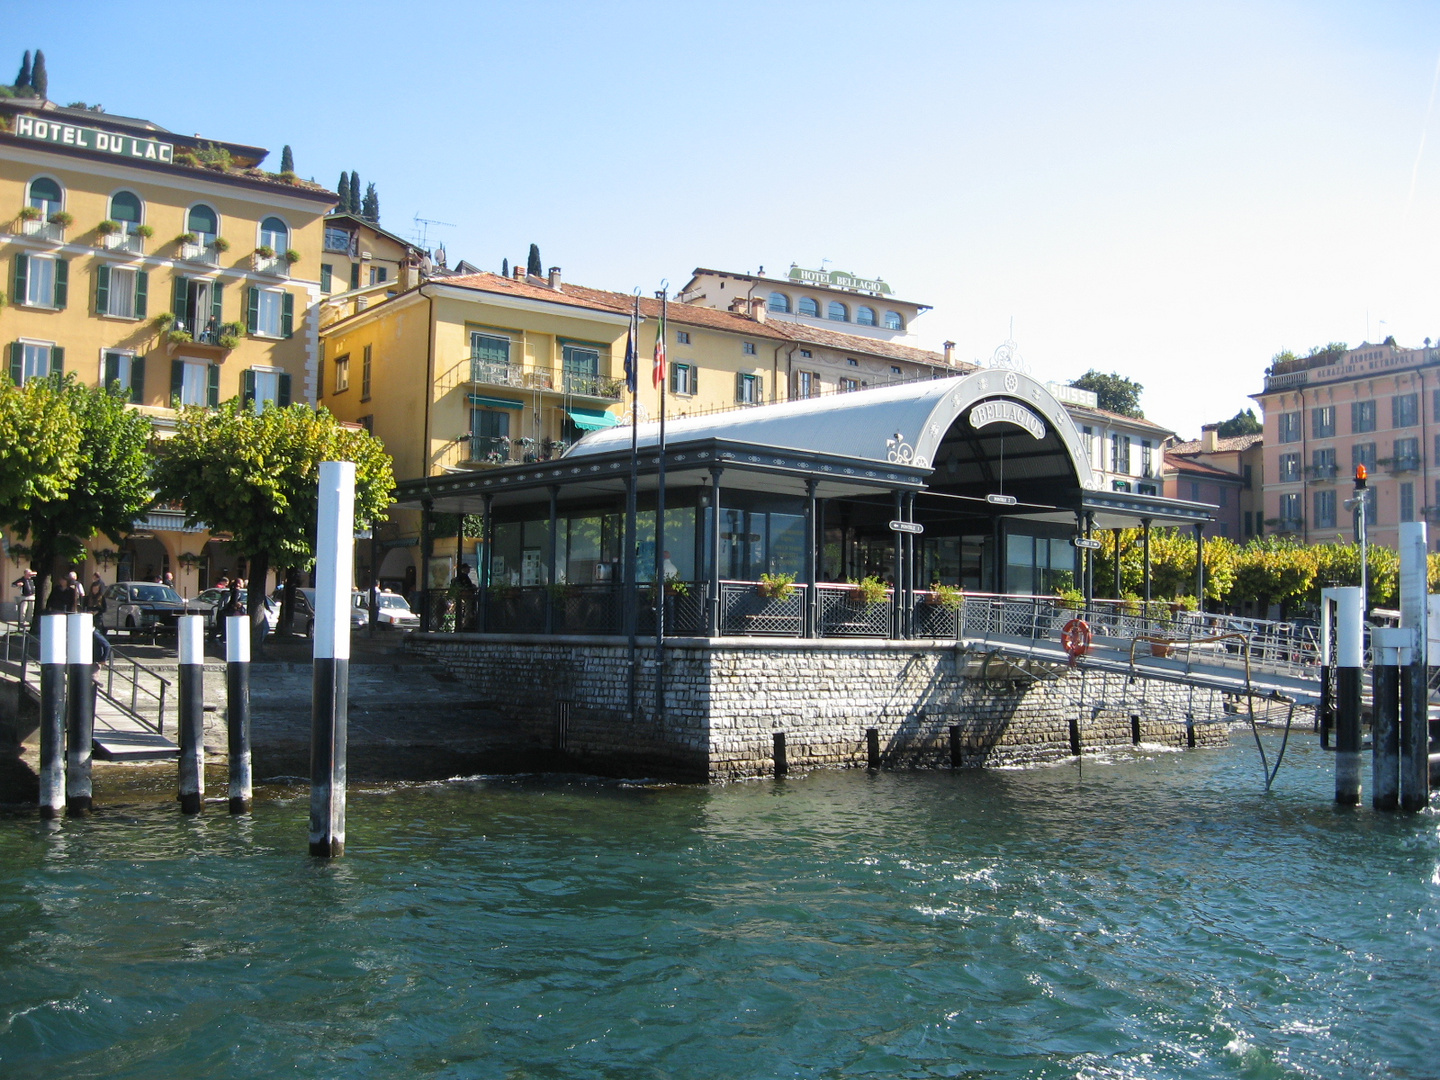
[{"x": 1171, "y": 191}]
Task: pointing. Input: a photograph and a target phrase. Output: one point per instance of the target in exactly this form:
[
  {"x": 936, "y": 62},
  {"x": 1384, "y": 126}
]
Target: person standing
[
  {"x": 65, "y": 595},
  {"x": 95, "y": 595},
  {"x": 26, "y": 604}
]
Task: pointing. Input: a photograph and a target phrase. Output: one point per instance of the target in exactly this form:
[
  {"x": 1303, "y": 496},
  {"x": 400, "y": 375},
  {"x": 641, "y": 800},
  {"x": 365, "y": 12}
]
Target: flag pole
[
  {"x": 631, "y": 592},
  {"x": 661, "y": 377}
]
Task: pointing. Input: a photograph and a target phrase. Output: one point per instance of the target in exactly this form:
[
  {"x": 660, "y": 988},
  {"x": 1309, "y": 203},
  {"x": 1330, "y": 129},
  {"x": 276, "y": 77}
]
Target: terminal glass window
[
  {"x": 1038, "y": 565},
  {"x": 1322, "y": 422},
  {"x": 865, "y": 316},
  {"x": 893, "y": 321},
  {"x": 1404, "y": 410},
  {"x": 1362, "y": 416},
  {"x": 809, "y": 306},
  {"x": 837, "y": 312},
  {"x": 778, "y": 301},
  {"x": 1289, "y": 427}
]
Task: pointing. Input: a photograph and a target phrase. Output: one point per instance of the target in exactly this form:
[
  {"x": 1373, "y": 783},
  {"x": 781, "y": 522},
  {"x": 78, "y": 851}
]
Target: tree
[
  {"x": 111, "y": 487},
  {"x": 255, "y": 475},
  {"x": 1117, "y": 394},
  {"x": 39, "y": 446},
  {"x": 22, "y": 80},
  {"x": 504, "y": 267},
  {"x": 354, "y": 206},
  {"x": 1242, "y": 423},
  {"x": 370, "y": 207},
  {"x": 342, "y": 204},
  {"x": 1273, "y": 570},
  {"x": 287, "y": 159},
  {"x": 38, "y": 79},
  {"x": 533, "y": 267}
]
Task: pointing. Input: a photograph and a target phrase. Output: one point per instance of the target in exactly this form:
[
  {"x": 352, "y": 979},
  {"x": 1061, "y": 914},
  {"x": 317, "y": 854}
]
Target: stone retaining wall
[{"x": 727, "y": 698}]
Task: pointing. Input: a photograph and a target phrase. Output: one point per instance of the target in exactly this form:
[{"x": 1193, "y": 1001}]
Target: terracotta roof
[
  {"x": 1198, "y": 468},
  {"x": 1106, "y": 414},
  {"x": 1229, "y": 445},
  {"x": 832, "y": 339}
]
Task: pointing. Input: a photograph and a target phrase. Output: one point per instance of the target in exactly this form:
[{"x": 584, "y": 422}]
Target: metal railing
[
  {"x": 521, "y": 377},
  {"x": 23, "y": 648}
]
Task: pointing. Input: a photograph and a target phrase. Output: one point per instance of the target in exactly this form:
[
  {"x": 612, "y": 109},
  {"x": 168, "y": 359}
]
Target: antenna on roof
[{"x": 422, "y": 226}]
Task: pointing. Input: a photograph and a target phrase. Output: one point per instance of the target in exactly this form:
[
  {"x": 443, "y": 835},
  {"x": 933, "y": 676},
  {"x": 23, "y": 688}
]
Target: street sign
[
  {"x": 1084, "y": 544},
  {"x": 907, "y": 527},
  {"x": 1000, "y": 500}
]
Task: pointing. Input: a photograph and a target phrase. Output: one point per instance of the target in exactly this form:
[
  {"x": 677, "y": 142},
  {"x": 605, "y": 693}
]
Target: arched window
[
  {"x": 865, "y": 316},
  {"x": 836, "y": 311},
  {"x": 893, "y": 321},
  {"x": 809, "y": 306},
  {"x": 274, "y": 234},
  {"x": 779, "y": 302},
  {"x": 125, "y": 207},
  {"x": 45, "y": 196},
  {"x": 204, "y": 223}
]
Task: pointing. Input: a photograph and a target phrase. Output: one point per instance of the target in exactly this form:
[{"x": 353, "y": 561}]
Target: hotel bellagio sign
[
  {"x": 837, "y": 279},
  {"x": 1001, "y": 411},
  {"x": 85, "y": 138}
]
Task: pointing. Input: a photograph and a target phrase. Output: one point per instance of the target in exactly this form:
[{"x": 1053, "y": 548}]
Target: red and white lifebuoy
[{"x": 1075, "y": 639}]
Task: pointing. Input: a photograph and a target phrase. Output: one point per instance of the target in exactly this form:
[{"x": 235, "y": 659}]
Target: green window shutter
[
  {"x": 212, "y": 397},
  {"x": 17, "y": 357},
  {"x": 355, "y": 275},
  {"x": 177, "y": 380},
  {"x": 327, "y": 277},
  {"x": 759, "y": 389},
  {"x": 112, "y": 369},
  {"x": 674, "y": 378},
  {"x": 57, "y": 360},
  {"x": 287, "y": 315},
  {"x": 252, "y": 309},
  {"x": 137, "y": 380},
  {"x": 178, "y": 303},
  {"x": 62, "y": 283},
  {"x": 22, "y": 276},
  {"x": 102, "y": 291},
  {"x": 739, "y": 388},
  {"x": 217, "y": 308},
  {"x": 247, "y": 386},
  {"x": 142, "y": 292},
  {"x": 694, "y": 380},
  {"x": 282, "y": 395}
]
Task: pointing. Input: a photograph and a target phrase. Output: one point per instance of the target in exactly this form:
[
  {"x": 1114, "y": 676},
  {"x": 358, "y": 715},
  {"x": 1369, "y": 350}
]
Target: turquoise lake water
[{"x": 1151, "y": 915}]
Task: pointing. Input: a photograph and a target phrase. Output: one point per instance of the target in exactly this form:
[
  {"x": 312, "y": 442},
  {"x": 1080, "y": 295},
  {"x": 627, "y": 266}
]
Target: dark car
[
  {"x": 302, "y": 617},
  {"x": 141, "y": 607}
]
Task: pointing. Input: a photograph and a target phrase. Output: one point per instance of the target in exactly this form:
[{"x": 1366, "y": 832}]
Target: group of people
[{"x": 66, "y": 594}]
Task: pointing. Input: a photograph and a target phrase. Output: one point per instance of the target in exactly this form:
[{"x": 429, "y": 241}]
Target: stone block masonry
[{"x": 726, "y": 699}]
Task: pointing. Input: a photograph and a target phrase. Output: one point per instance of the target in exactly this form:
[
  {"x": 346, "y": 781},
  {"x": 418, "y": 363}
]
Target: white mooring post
[
  {"x": 191, "y": 632},
  {"x": 334, "y": 555},
  {"x": 80, "y": 652},
  {"x": 237, "y": 710},
  {"x": 1350, "y": 657},
  {"x": 52, "y": 715},
  {"x": 1414, "y": 688}
]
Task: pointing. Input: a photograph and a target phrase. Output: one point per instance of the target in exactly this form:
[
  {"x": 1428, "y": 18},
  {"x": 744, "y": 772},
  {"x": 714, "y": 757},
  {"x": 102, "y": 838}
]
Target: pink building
[{"x": 1225, "y": 472}]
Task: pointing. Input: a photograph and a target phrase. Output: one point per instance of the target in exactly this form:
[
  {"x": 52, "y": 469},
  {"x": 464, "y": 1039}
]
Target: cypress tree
[
  {"x": 504, "y": 267},
  {"x": 342, "y": 206},
  {"x": 370, "y": 208},
  {"x": 23, "y": 79},
  {"x": 533, "y": 266},
  {"x": 287, "y": 160},
  {"x": 38, "y": 79},
  {"x": 354, "y": 192}
]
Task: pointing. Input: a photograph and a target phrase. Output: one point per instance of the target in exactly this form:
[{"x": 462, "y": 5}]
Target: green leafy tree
[
  {"x": 111, "y": 486},
  {"x": 287, "y": 159},
  {"x": 38, "y": 78},
  {"x": 1242, "y": 423},
  {"x": 1329, "y": 353},
  {"x": 39, "y": 446},
  {"x": 354, "y": 206},
  {"x": 370, "y": 206},
  {"x": 1116, "y": 393},
  {"x": 256, "y": 475},
  {"x": 533, "y": 265},
  {"x": 1274, "y": 570},
  {"x": 342, "y": 189},
  {"x": 22, "y": 80}
]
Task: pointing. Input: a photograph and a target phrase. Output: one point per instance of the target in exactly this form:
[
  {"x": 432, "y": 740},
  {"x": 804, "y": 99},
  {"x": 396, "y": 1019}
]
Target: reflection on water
[{"x": 1152, "y": 916}]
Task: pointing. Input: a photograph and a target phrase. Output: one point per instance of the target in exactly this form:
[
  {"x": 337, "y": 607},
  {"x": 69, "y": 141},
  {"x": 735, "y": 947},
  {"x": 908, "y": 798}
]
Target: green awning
[
  {"x": 496, "y": 402},
  {"x": 593, "y": 419}
]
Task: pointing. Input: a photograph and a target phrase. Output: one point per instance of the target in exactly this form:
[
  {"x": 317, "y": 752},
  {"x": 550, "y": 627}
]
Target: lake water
[{"x": 1151, "y": 915}]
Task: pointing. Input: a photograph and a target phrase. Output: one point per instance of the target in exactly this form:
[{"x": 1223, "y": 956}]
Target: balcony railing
[
  {"x": 1322, "y": 472},
  {"x": 43, "y": 230},
  {"x": 502, "y": 450},
  {"x": 1289, "y": 379},
  {"x": 1285, "y": 524},
  {"x": 519, "y": 377},
  {"x": 495, "y": 374},
  {"x": 133, "y": 243},
  {"x": 1404, "y": 464},
  {"x": 596, "y": 386},
  {"x": 275, "y": 265},
  {"x": 208, "y": 254}
]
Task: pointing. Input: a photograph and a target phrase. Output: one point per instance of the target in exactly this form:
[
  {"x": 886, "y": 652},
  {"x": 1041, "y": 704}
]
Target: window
[
  {"x": 46, "y": 196},
  {"x": 42, "y": 281},
  {"x": 1407, "y": 502},
  {"x": 34, "y": 360},
  {"x": 682, "y": 337},
  {"x": 1289, "y": 427},
  {"x": 837, "y": 311},
  {"x": 1322, "y": 464},
  {"x": 1249, "y": 523},
  {"x": 1224, "y": 494},
  {"x": 1290, "y": 511},
  {"x": 1407, "y": 454},
  {"x": 1362, "y": 454},
  {"x": 809, "y": 306},
  {"x": 1147, "y": 458},
  {"x": 379, "y": 275},
  {"x": 893, "y": 321},
  {"x": 194, "y": 382},
  {"x": 807, "y": 384},
  {"x": 778, "y": 301},
  {"x": 1404, "y": 412},
  {"x": 865, "y": 316},
  {"x": 847, "y": 385},
  {"x": 121, "y": 291},
  {"x": 327, "y": 278},
  {"x": 1119, "y": 452},
  {"x": 1362, "y": 416},
  {"x": 368, "y": 423},
  {"x": 852, "y": 361},
  {"x": 895, "y": 369},
  {"x": 748, "y": 389},
  {"x": 805, "y": 354},
  {"x": 1120, "y": 485},
  {"x": 365, "y": 367},
  {"x": 262, "y": 386},
  {"x": 1194, "y": 491},
  {"x": 126, "y": 209},
  {"x": 682, "y": 379},
  {"x": 1147, "y": 489},
  {"x": 1436, "y": 407},
  {"x": 198, "y": 305},
  {"x": 342, "y": 373},
  {"x": 748, "y": 348},
  {"x": 204, "y": 223},
  {"x": 1322, "y": 422},
  {"x": 354, "y": 275},
  {"x": 1289, "y": 468},
  {"x": 1249, "y": 476},
  {"x": 489, "y": 436},
  {"x": 489, "y": 358},
  {"x": 270, "y": 312},
  {"x": 337, "y": 240},
  {"x": 582, "y": 369},
  {"x": 125, "y": 370}
]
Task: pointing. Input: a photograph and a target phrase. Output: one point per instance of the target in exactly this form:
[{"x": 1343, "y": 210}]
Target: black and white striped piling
[
  {"x": 1414, "y": 736},
  {"x": 1385, "y": 718},
  {"x": 1350, "y": 656},
  {"x": 191, "y": 629},
  {"x": 334, "y": 554},
  {"x": 80, "y": 654},
  {"x": 52, "y": 715},
  {"x": 237, "y": 709}
]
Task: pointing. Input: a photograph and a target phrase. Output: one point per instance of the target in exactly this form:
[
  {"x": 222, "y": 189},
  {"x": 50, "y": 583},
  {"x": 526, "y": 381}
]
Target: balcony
[
  {"x": 1322, "y": 472},
  {"x": 600, "y": 387},
  {"x": 274, "y": 265},
  {"x": 205, "y": 254},
  {"x": 1286, "y": 381},
  {"x": 43, "y": 230},
  {"x": 130, "y": 243},
  {"x": 1285, "y": 524},
  {"x": 596, "y": 386},
  {"x": 500, "y": 450},
  {"x": 1406, "y": 464}
]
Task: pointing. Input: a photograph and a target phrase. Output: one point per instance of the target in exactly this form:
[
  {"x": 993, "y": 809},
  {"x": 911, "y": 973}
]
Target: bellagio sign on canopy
[
  {"x": 48, "y": 131},
  {"x": 1007, "y": 412}
]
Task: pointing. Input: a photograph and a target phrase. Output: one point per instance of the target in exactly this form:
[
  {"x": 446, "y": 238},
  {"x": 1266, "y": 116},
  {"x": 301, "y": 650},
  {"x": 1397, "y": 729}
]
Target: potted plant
[
  {"x": 265, "y": 251},
  {"x": 221, "y": 244},
  {"x": 776, "y": 586},
  {"x": 186, "y": 238},
  {"x": 108, "y": 228},
  {"x": 181, "y": 337},
  {"x": 292, "y": 256},
  {"x": 867, "y": 591},
  {"x": 944, "y": 596},
  {"x": 143, "y": 230},
  {"x": 63, "y": 218},
  {"x": 164, "y": 320},
  {"x": 29, "y": 213}
]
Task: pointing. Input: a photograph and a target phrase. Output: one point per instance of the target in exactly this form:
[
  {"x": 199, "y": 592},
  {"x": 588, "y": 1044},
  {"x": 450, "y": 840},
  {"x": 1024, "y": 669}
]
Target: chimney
[
  {"x": 949, "y": 347},
  {"x": 555, "y": 278},
  {"x": 519, "y": 272},
  {"x": 1209, "y": 438},
  {"x": 757, "y": 307}
]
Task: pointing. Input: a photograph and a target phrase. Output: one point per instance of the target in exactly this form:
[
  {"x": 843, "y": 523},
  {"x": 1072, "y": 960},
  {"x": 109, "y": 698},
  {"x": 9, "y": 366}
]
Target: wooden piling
[
  {"x": 52, "y": 715},
  {"x": 80, "y": 733},
  {"x": 237, "y": 710},
  {"x": 191, "y": 712}
]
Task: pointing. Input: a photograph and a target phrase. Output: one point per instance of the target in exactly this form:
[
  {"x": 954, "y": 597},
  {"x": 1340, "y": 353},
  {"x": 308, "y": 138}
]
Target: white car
[{"x": 391, "y": 611}]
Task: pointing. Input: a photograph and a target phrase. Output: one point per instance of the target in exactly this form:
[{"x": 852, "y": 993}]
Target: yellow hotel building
[{"x": 172, "y": 265}]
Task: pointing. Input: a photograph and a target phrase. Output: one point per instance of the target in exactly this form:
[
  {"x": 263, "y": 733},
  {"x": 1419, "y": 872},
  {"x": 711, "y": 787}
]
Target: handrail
[{"x": 135, "y": 688}]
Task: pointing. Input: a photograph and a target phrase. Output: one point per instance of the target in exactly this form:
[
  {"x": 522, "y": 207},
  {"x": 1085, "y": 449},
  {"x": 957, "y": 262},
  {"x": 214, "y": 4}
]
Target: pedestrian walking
[{"x": 26, "y": 604}]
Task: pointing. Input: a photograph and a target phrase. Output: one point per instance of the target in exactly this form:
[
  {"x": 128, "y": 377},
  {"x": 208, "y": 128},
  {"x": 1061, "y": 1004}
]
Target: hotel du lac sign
[{"x": 85, "y": 138}]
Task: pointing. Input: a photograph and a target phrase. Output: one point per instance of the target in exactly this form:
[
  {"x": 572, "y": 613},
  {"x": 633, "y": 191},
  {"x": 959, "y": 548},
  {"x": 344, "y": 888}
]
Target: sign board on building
[
  {"x": 837, "y": 279},
  {"x": 1007, "y": 412},
  {"x": 907, "y": 527},
  {"x": 1085, "y": 545},
  {"x": 86, "y": 138}
]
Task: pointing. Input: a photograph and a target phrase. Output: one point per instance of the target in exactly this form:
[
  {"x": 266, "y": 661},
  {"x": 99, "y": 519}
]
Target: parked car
[
  {"x": 140, "y": 607},
  {"x": 391, "y": 611},
  {"x": 302, "y": 617},
  {"x": 208, "y": 604}
]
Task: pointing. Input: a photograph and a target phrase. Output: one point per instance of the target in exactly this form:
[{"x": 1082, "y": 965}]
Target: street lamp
[{"x": 1357, "y": 504}]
